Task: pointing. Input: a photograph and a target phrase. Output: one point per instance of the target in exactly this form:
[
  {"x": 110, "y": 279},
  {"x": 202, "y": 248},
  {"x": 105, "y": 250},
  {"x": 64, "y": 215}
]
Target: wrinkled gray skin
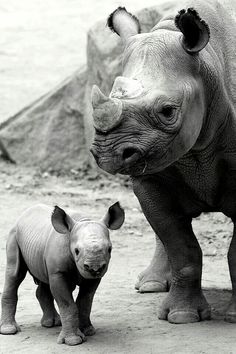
[
  {"x": 60, "y": 251},
  {"x": 170, "y": 123}
]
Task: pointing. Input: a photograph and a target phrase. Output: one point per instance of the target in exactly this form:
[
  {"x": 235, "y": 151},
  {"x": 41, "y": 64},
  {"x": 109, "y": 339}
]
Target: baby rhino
[{"x": 60, "y": 251}]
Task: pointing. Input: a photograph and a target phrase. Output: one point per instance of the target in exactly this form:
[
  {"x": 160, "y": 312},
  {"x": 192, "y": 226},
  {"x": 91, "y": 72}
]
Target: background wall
[{"x": 43, "y": 42}]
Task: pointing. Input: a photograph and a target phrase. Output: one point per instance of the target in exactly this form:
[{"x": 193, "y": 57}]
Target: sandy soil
[{"x": 126, "y": 321}]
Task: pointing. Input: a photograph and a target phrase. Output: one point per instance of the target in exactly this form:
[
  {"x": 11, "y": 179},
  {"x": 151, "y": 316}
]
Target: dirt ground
[{"x": 126, "y": 321}]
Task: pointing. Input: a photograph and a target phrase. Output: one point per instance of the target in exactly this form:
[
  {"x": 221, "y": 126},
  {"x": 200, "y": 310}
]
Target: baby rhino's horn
[{"x": 107, "y": 111}]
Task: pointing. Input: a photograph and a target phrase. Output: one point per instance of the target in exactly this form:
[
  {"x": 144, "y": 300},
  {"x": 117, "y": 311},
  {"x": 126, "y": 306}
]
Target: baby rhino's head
[{"x": 90, "y": 242}]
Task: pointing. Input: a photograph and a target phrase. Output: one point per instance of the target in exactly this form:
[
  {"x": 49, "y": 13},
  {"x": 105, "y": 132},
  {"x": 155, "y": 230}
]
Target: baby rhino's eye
[
  {"x": 76, "y": 251},
  {"x": 109, "y": 249}
]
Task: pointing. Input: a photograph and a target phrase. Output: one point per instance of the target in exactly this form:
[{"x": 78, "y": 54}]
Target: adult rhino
[{"x": 170, "y": 123}]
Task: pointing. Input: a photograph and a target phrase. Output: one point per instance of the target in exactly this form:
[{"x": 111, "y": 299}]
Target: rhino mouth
[
  {"x": 147, "y": 164},
  {"x": 89, "y": 275},
  {"x": 136, "y": 168},
  {"x": 88, "y": 271},
  {"x": 124, "y": 160}
]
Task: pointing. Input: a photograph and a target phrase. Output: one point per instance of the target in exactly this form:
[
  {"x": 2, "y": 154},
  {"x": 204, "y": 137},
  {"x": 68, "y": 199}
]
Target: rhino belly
[{"x": 32, "y": 246}]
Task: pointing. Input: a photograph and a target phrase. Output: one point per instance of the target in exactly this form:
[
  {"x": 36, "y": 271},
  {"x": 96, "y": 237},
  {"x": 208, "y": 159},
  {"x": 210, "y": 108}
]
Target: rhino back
[
  {"x": 33, "y": 231},
  {"x": 221, "y": 18}
]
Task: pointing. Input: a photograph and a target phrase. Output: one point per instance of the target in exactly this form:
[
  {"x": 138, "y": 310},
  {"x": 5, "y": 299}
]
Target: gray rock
[{"x": 49, "y": 133}]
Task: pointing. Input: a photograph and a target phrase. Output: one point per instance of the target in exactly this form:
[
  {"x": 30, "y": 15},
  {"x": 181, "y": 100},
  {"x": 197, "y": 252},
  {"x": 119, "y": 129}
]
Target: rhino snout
[
  {"x": 95, "y": 270},
  {"x": 123, "y": 158}
]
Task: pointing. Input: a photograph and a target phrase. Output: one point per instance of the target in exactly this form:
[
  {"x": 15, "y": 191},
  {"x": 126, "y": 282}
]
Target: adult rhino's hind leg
[
  {"x": 50, "y": 316},
  {"x": 157, "y": 276},
  {"x": 15, "y": 273},
  {"x": 230, "y": 315}
]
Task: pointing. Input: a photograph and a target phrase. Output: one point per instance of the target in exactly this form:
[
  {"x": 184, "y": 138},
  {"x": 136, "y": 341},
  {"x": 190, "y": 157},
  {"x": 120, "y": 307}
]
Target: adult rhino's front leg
[
  {"x": 185, "y": 301},
  {"x": 157, "y": 276}
]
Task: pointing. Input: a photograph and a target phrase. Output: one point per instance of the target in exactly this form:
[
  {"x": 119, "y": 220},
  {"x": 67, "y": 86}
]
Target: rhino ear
[
  {"x": 196, "y": 33},
  {"x": 61, "y": 222},
  {"x": 123, "y": 23},
  {"x": 114, "y": 217}
]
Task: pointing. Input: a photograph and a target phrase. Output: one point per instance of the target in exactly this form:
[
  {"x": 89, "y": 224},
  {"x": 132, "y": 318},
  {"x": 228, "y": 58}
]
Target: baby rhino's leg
[
  {"x": 70, "y": 333},
  {"x": 50, "y": 316},
  {"x": 15, "y": 273},
  {"x": 84, "y": 303}
]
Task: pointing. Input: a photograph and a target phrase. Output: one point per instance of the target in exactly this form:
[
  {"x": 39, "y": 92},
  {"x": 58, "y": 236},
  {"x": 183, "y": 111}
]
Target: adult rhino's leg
[
  {"x": 185, "y": 302},
  {"x": 50, "y": 316},
  {"x": 157, "y": 276},
  {"x": 15, "y": 273},
  {"x": 230, "y": 315},
  {"x": 84, "y": 303}
]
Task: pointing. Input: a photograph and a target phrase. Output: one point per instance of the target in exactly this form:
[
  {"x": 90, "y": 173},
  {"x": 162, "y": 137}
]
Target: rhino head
[
  {"x": 156, "y": 109},
  {"x": 89, "y": 240}
]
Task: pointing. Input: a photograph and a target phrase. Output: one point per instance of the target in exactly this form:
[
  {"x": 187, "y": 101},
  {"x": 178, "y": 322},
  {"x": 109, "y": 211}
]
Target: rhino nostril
[
  {"x": 99, "y": 270},
  {"x": 102, "y": 268},
  {"x": 129, "y": 152},
  {"x": 86, "y": 267}
]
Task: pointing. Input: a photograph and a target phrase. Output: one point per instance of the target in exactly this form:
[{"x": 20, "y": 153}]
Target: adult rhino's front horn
[{"x": 107, "y": 111}]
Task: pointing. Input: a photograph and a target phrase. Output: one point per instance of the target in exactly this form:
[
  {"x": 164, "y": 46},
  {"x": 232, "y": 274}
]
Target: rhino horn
[{"x": 107, "y": 111}]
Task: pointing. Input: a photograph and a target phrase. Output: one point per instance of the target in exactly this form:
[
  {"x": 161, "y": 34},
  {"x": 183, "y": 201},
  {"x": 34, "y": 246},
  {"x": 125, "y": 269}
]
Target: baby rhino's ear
[
  {"x": 114, "y": 217},
  {"x": 61, "y": 221}
]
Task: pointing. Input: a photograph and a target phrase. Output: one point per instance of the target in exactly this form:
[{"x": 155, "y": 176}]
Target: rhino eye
[
  {"x": 76, "y": 251},
  {"x": 167, "y": 111},
  {"x": 109, "y": 249}
]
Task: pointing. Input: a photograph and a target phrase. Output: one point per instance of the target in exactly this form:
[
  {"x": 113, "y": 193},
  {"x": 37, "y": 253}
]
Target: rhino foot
[
  {"x": 9, "y": 328},
  {"x": 51, "y": 321},
  {"x": 71, "y": 339},
  {"x": 230, "y": 315},
  {"x": 88, "y": 331},
  {"x": 157, "y": 276},
  {"x": 185, "y": 306},
  {"x": 149, "y": 282}
]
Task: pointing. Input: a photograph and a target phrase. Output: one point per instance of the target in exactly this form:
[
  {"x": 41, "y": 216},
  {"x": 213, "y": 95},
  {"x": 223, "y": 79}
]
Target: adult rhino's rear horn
[{"x": 107, "y": 111}]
